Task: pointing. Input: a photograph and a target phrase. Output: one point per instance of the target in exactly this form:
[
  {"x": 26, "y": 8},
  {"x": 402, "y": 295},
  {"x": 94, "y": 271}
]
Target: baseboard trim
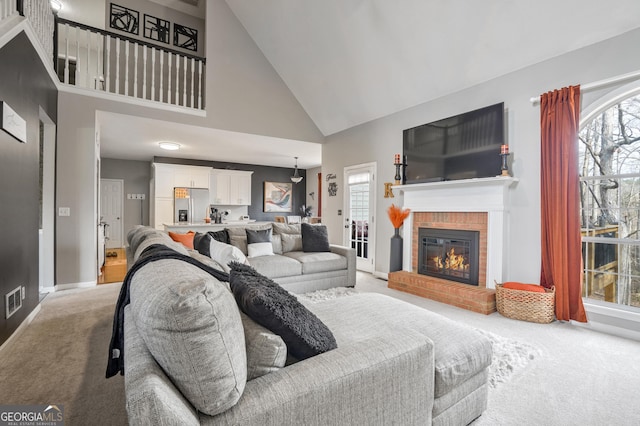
[
  {"x": 21, "y": 327},
  {"x": 381, "y": 275},
  {"x": 69, "y": 286}
]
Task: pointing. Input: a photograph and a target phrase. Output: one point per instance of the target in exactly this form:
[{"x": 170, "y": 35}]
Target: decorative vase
[{"x": 395, "y": 255}]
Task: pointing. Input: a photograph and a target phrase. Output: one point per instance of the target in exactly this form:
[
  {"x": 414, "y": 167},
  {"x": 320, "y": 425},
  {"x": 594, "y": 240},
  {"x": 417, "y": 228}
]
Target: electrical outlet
[{"x": 64, "y": 211}]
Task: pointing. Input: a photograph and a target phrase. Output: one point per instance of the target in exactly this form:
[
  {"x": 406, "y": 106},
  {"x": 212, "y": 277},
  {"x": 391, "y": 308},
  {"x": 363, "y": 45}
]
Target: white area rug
[{"x": 509, "y": 356}]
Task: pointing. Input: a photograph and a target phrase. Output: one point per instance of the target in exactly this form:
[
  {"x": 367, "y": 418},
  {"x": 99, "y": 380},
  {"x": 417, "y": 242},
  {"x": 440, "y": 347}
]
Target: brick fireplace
[{"x": 479, "y": 205}]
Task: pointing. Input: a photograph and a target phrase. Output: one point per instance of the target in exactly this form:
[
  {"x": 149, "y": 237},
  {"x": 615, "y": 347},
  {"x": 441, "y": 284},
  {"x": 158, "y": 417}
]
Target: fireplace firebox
[{"x": 450, "y": 254}]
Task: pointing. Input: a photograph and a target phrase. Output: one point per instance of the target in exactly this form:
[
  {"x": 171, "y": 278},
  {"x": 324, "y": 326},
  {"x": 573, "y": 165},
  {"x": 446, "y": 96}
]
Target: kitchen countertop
[{"x": 209, "y": 226}]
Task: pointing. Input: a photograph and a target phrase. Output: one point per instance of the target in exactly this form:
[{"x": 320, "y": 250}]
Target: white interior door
[
  {"x": 359, "y": 213},
  {"x": 111, "y": 197}
]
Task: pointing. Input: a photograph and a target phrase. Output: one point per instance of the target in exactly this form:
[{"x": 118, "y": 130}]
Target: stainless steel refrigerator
[{"x": 191, "y": 205}]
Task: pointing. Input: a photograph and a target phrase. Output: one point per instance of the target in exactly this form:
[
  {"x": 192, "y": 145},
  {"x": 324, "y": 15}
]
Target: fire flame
[{"x": 452, "y": 261}]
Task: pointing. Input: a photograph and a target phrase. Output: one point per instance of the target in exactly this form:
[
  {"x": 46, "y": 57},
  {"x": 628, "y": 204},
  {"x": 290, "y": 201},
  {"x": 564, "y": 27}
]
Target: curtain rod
[{"x": 602, "y": 83}]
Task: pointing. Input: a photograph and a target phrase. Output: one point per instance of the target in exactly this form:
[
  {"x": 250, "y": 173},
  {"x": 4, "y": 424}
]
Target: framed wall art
[
  {"x": 185, "y": 37},
  {"x": 124, "y": 19},
  {"x": 12, "y": 123},
  {"x": 156, "y": 29},
  {"x": 278, "y": 197}
]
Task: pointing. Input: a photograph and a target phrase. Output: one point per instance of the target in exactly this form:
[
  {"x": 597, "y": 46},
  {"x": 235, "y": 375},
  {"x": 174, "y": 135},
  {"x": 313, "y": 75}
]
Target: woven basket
[{"x": 526, "y": 305}]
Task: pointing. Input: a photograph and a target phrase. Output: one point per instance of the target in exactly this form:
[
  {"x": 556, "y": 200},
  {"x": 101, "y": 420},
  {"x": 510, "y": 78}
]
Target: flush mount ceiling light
[
  {"x": 296, "y": 178},
  {"x": 56, "y": 5},
  {"x": 169, "y": 146}
]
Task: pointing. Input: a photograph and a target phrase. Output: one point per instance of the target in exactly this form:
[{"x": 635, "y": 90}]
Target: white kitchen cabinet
[
  {"x": 165, "y": 178},
  {"x": 163, "y": 212},
  {"x": 230, "y": 187},
  {"x": 191, "y": 176}
]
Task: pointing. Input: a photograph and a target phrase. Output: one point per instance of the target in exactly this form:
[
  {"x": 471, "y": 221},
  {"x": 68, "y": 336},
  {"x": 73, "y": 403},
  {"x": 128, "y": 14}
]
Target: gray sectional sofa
[{"x": 191, "y": 358}]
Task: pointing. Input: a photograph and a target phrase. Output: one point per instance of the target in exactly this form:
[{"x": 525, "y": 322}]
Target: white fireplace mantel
[{"x": 490, "y": 195}]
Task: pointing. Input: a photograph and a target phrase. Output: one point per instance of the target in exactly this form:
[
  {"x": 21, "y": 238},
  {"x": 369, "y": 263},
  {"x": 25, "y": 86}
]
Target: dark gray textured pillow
[
  {"x": 222, "y": 236},
  {"x": 201, "y": 243},
  {"x": 314, "y": 238},
  {"x": 273, "y": 307}
]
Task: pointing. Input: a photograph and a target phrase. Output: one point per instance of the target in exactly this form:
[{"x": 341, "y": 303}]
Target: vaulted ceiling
[{"x": 351, "y": 61}]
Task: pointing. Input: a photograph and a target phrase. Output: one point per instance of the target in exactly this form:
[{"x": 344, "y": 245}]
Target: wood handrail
[{"x": 130, "y": 39}]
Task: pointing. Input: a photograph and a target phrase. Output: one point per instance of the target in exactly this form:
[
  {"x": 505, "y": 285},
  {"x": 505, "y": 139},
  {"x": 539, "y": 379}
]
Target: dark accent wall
[
  {"x": 26, "y": 86},
  {"x": 261, "y": 174}
]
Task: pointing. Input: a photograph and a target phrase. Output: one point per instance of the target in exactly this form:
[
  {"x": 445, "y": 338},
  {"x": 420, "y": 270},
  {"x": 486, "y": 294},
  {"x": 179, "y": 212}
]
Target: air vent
[{"x": 13, "y": 301}]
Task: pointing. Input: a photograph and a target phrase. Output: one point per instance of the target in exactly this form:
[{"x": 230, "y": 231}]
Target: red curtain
[{"x": 561, "y": 245}]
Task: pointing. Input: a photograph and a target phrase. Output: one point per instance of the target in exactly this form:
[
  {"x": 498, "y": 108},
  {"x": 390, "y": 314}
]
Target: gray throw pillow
[
  {"x": 191, "y": 325},
  {"x": 314, "y": 238},
  {"x": 273, "y": 307},
  {"x": 266, "y": 351},
  {"x": 259, "y": 243}
]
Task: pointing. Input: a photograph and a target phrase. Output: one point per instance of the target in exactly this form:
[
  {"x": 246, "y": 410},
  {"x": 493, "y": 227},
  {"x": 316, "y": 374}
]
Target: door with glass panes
[{"x": 359, "y": 213}]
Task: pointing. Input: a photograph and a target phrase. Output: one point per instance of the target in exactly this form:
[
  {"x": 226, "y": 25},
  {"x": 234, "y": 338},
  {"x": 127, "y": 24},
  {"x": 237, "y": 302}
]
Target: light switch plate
[{"x": 64, "y": 211}]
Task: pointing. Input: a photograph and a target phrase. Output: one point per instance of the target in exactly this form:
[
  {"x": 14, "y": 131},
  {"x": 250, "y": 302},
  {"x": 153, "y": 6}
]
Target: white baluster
[
  {"x": 200, "y": 84},
  {"x": 161, "y": 93},
  {"x": 66, "y": 54},
  {"x": 144, "y": 72},
  {"x": 153, "y": 73},
  {"x": 135, "y": 70},
  {"x": 88, "y": 77},
  {"x": 77, "y": 56},
  {"x": 193, "y": 76},
  {"x": 177, "y": 80},
  {"x": 169, "y": 58},
  {"x": 99, "y": 86},
  {"x": 126, "y": 67},
  {"x": 117, "y": 66},
  {"x": 107, "y": 76},
  {"x": 184, "y": 83}
]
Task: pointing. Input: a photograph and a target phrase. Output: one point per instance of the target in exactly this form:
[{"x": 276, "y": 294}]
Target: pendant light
[{"x": 296, "y": 178}]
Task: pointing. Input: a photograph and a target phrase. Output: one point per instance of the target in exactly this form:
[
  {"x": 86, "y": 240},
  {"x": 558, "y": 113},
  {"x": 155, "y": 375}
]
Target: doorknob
[{"x": 117, "y": 218}]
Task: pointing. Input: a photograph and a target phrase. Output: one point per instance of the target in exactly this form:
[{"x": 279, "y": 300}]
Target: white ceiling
[
  {"x": 198, "y": 143},
  {"x": 351, "y": 61}
]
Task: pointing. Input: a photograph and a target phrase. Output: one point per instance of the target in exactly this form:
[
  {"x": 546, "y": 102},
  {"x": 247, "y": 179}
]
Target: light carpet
[
  {"x": 580, "y": 377},
  {"x": 510, "y": 356}
]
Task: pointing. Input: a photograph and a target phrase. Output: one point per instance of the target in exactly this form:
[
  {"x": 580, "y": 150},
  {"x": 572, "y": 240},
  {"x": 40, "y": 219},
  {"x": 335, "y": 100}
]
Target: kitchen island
[{"x": 183, "y": 227}]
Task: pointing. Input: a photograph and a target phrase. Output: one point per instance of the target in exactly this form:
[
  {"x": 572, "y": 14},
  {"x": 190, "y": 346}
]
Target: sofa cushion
[
  {"x": 273, "y": 307},
  {"x": 318, "y": 262},
  {"x": 286, "y": 228},
  {"x": 224, "y": 254},
  {"x": 259, "y": 243},
  {"x": 266, "y": 351},
  {"x": 191, "y": 325},
  {"x": 291, "y": 242},
  {"x": 459, "y": 351},
  {"x": 314, "y": 238},
  {"x": 276, "y": 266},
  {"x": 276, "y": 242}
]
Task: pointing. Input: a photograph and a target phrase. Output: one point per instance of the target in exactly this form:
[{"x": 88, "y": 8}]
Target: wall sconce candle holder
[{"x": 504, "y": 153}]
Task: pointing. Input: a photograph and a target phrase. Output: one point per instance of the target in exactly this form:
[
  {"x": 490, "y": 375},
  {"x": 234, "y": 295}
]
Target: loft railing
[
  {"x": 99, "y": 60},
  {"x": 39, "y": 15},
  {"x": 9, "y": 8}
]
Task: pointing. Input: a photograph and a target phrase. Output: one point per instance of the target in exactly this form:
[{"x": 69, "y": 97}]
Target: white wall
[{"x": 379, "y": 140}]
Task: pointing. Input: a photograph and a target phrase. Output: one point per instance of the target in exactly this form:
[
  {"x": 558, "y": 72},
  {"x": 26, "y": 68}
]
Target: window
[{"x": 609, "y": 145}]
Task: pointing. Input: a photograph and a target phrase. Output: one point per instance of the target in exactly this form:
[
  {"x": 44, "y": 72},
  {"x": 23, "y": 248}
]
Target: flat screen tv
[{"x": 464, "y": 146}]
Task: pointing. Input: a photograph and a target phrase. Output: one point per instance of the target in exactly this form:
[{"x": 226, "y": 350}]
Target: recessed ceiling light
[{"x": 169, "y": 146}]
